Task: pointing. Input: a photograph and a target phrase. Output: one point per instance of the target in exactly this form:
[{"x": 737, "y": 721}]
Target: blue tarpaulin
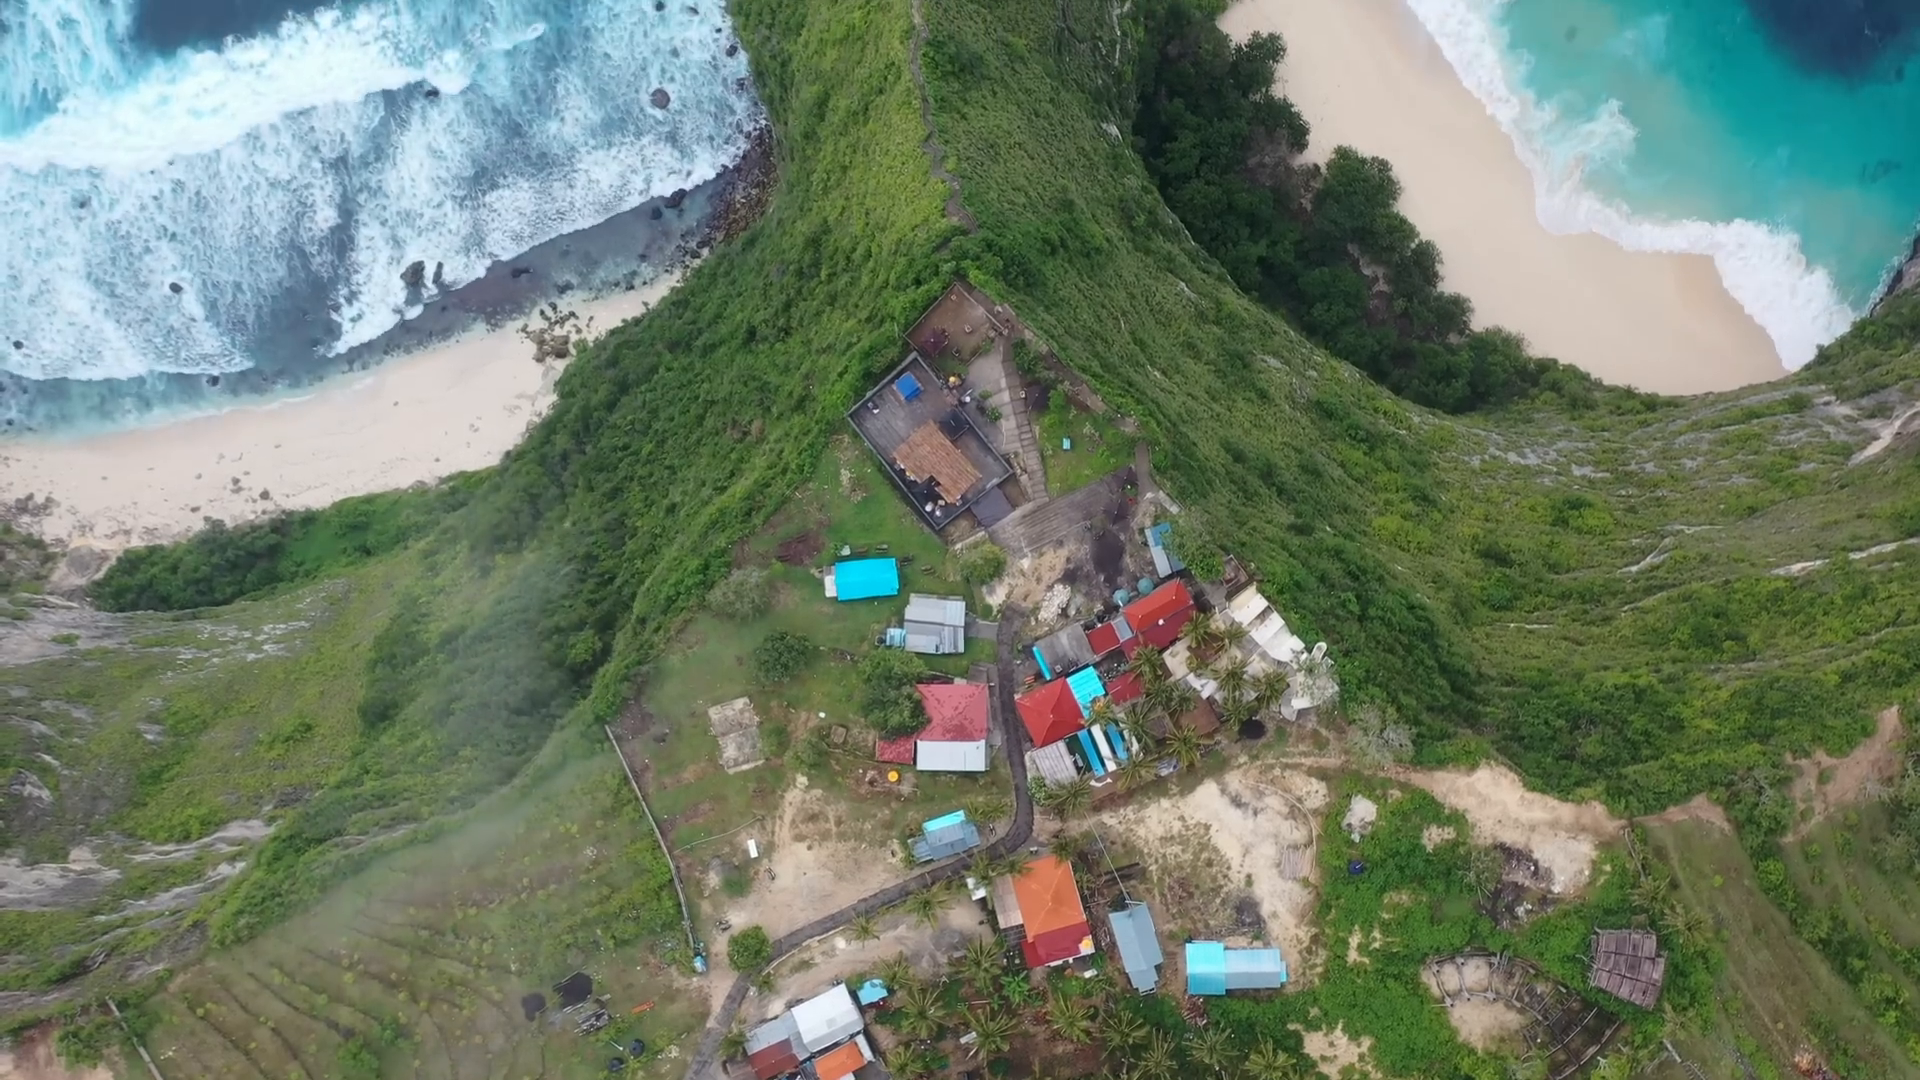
[
  {"x": 864, "y": 579},
  {"x": 1092, "y": 752},
  {"x": 1087, "y": 688},
  {"x": 871, "y": 992},
  {"x": 908, "y": 386}
]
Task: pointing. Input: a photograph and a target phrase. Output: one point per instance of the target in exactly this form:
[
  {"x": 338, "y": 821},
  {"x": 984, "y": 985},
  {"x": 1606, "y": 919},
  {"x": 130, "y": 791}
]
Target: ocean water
[
  {"x": 191, "y": 189},
  {"x": 1781, "y": 137}
]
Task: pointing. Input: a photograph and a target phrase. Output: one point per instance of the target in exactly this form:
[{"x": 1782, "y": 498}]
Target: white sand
[
  {"x": 444, "y": 410},
  {"x": 1366, "y": 74}
]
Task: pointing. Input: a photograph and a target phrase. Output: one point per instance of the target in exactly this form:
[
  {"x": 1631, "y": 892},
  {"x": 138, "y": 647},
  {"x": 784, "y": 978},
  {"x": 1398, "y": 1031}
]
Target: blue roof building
[
  {"x": 1087, "y": 688},
  {"x": 1213, "y": 969},
  {"x": 1139, "y": 945},
  {"x": 1165, "y": 562},
  {"x": 944, "y": 837},
  {"x": 871, "y": 992},
  {"x": 864, "y": 579}
]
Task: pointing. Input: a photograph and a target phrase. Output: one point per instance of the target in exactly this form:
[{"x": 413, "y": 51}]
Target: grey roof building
[
  {"x": 936, "y": 624},
  {"x": 1139, "y": 945},
  {"x": 944, "y": 837}
]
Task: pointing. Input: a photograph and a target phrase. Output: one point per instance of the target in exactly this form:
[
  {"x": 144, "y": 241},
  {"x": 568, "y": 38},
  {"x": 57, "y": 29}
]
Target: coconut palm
[
  {"x": 921, "y": 1010},
  {"x": 1147, "y": 664},
  {"x": 1070, "y": 1018},
  {"x": 1176, "y": 701},
  {"x": 927, "y": 904},
  {"x": 993, "y": 1031},
  {"x": 1234, "y": 679},
  {"x": 1067, "y": 846},
  {"x": 896, "y": 971},
  {"x": 1138, "y": 771},
  {"x": 987, "y": 809},
  {"x": 1155, "y": 1060},
  {"x": 734, "y": 1043},
  {"x": 1268, "y": 689},
  {"x": 982, "y": 964},
  {"x": 1269, "y": 1062},
  {"x": 1650, "y": 892},
  {"x": 1135, "y": 723},
  {"x": 1201, "y": 635},
  {"x": 864, "y": 928},
  {"x": 1684, "y": 922},
  {"x": 1071, "y": 799},
  {"x": 1121, "y": 1031},
  {"x": 1209, "y": 1046},
  {"x": 912, "y": 1063},
  {"x": 1182, "y": 744},
  {"x": 986, "y": 867},
  {"x": 1230, "y": 632}
]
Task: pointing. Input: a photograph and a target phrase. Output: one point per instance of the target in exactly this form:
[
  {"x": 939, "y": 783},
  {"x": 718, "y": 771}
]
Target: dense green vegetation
[{"x": 1327, "y": 245}]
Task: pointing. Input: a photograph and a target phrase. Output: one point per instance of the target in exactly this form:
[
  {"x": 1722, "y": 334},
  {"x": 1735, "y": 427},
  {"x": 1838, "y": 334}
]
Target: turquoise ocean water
[{"x": 1781, "y": 137}]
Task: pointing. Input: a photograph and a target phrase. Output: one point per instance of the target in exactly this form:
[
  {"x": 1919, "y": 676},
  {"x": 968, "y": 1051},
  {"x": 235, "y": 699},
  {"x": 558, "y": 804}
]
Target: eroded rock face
[{"x": 1905, "y": 278}]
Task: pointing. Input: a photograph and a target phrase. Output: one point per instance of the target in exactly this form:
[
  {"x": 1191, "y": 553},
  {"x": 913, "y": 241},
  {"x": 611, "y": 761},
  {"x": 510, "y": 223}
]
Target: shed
[
  {"x": 863, "y": 579},
  {"x": 1158, "y": 617},
  {"x": 945, "y": 837},
  {"x": 1213, "y": 969},
  {"x": 1628, "y": 965},
  {"x": 827, "y": 1018},
  {"x": 1165, "y": 562},
  {"x": 1062, "y": 651},
  {"x": 936, "y": 625},
  {"x": 1087, "y": 689},
  {"x": 1052, "y": 763},
  {"x": 900, "y": 751},
  {"x": 1050, "y": 712},
  {"x": 1109, "y": 635},
  {"x": 1139, "y": 945},
  {"x": 955, "y": 738},
  {"x": 774, "y": 1049}
]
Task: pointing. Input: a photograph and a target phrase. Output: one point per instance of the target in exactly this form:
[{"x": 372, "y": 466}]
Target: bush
[
  {"x": 750, "y": 949},
  {"x": 781, "y": 655},
  {"x": 83, "y": 1045},
  {"x": 982, "y": 562},
  {"x": 1194, "y": 545},
  {"x": 887, "y": 695},
  {"x": 775, "y": 739},
  {"x": 743, "y": 595}
]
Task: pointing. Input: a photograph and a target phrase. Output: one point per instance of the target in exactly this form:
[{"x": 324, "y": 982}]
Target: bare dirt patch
[
  {"x": 1849, "y": 779},
  {"x": 1564, "y": 837},
  {"x": 33, "y": 1058},
  {"x": 1699, "y": 808},
  {"x": 839, "y": 957},
  {"x": 801, "y": 550},
  {"x": 1027, "y": 580},
  {"x": 1224, "y": 842},
  {"x": 1335, "y": 1051},
  {"x": 1434, "y": 835},
  {"x": 1475, "y": 998}
]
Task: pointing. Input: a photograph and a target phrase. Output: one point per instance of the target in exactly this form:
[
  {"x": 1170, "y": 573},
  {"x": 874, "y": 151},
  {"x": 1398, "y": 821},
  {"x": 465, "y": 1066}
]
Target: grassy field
[
  {"x": 418, "y": 966},
  {"x": 1776, "y": 994},
  {"x": 1099, "y": 447}
]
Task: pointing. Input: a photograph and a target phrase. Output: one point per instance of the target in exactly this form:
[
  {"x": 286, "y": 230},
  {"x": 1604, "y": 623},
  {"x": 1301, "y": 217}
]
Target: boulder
[
  {"x": 415, "y": 275},
  {"x": 175, "y": 288},
  {"x": 660, "y": 98},
  {"x": 674, "y": 200}
]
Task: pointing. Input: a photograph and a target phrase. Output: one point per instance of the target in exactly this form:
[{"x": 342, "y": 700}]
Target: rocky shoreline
[{"x": 1905, "y": 277}]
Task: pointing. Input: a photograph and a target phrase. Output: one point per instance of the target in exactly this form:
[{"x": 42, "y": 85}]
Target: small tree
[
  {"x": 887, "y": 695},
  {"x": 1070, "y": 1018},
  {"x": 781, "y": 655},
  {"x": 1183, "y": 746},
  {"x": 982, "y": 562},
  {"x": 1193, "y": 544},
  {"x": 742, "y": 595},
  {"x": 734, "y": 1043},
  {"x": 864, "y": 928},
  {"x": 750, "y": 949},
  {"x": 1377, "y": 738}
]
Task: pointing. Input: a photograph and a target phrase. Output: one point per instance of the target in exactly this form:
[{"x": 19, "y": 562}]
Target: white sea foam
[
  {"x": 1796, "y": 302},
  {"x": 287, "y": 165}
]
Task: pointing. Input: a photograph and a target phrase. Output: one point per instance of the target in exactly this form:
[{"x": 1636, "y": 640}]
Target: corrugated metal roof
[
  {"x": 841, "y": 1062},
  {"x": 1206, "y": 968},
  {"x": 1165, "y": 562},
  {"x": 777, "y": 1030},
  {"x": 940, "y": 610},
  {"x": 1255, "y": 969},
  {"x": 945, "y": 842},
  {"x": 1064, "y": 650},
  {"x": 828, "y": 1018},
  {"x": 969, "y": 756},
  {"x": 1139, "y": 945},
  {"x": 1087, "y": 688},
  {"x": 934, "y": 639},
  {"x": 1053, "y": 763}
]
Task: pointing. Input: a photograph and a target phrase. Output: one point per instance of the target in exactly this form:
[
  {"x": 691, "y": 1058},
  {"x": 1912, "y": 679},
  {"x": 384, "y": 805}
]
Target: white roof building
[{"x": 828, "y": 1019}]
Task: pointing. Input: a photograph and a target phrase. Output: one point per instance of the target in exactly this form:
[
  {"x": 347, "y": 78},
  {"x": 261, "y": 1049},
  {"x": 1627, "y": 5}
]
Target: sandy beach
[
  {"x": 1365, "y": 73},
  {"x": 446, "y": 409}
]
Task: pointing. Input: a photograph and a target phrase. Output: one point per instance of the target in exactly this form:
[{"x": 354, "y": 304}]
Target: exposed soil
[
  {"x": 1222, "y": 841},
  {"x": 1334, "y": 1051},
  {"x": 1698, "y": 808},
  {"x": 1562, "y": 836},
  {"x": 801, "y": 550},
  {"x": 839, "y": 957},
  {"x": 1852, "y": 778},
  {"x": 1481, "y": 1023},
  {"x": 32, "y": 1058},
  {"x": 1028, "y": 579}
]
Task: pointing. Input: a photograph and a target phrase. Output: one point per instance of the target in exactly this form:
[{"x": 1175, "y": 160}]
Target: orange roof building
[
  {"x": 1051, "y": 912},
  {"x": 1051, "y": 712},
  {"x": 841, "y": 1062}
]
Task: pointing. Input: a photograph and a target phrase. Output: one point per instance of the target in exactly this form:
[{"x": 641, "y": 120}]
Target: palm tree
[
  {"x": 912, "y": 1063},
  {"x": 1650, "y": 892},
  {"x": 1121, "y": 1031},
  {"x": 993, "y": 1031},
  {"x": 1138, "y": 770},
  {"x": 1200, "y": 635},
  {"x": 734, "y": 1043},
  {"x": 1136, "y": 723},
  {"x": 1269, "y": 689},
  {"x": 1231, "y": 633},
  {"x": 1182, "y": 744},
  {"x": 1067, "y": 846},
  {"x": 982, "y": 964},
  {"x": 1070, "y": 799},
  {"x": 1016, "y": 989},
  {"x": 1071, "y": 1018},
  {"x": 1148, "y": 664},
  {"x": 864, "y": 928},
  {"x": 1156, "y": 1058},
  {"x": 1269, "y": 1062},
  {"x": 1209, "y": 1047},
  {"x": 927, "y": 904},
  {"x": 922, "y": 1011},
  {"x": 896, "y": 971},
  {"x": 988, "y": 809},
  {"x": 1233, "y": 679},
  {"x": 1684, "y": 922},
  {"x": 1177, "y": 701}
]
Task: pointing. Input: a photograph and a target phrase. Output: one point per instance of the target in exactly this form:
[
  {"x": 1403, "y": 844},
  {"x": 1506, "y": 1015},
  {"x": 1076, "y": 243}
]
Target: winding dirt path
[{"x": 936, "y": 154}]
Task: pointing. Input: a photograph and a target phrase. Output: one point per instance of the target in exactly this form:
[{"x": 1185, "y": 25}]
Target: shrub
[
  {"x": 775, "y": 739},
  {"x": 744, "y": 594},
  {"x": 982, "y": 562},
  {"x": 781, "y": 655},
  {"x": 750, "y": 949},
  {"x": 887, "y": 695}
]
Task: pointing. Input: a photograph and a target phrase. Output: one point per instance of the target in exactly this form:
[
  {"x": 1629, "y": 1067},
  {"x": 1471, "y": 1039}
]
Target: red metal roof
[
  {"x": 1124, "y": 689},
  {"x": 777, "y": 1060},
  {"x": 1158, "y": 617},
  {"x": 1108, "y": 635},
  {"x": 956, "y": 712},
  {"x": 895, "y": 751},
  {"x": 1057, "y": 945},
  {"x": 1050, "y": 712}
]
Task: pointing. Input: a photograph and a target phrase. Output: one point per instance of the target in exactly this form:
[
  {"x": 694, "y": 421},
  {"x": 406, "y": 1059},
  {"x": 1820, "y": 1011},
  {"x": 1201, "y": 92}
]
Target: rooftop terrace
[{"x": 928, "y": 443}]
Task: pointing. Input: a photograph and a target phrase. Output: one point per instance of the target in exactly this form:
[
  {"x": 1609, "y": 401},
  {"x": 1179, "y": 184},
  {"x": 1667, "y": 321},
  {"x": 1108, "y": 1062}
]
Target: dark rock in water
[
  {"x": 733, "y": 49},
  {"x": 674, "y": 200},
  {"x": 415, "y": 275},
  {"x": 656, "y": 213},
  {"x": 213, "y": 380},
  {"x": 565, "y": 288},
  {"x": 521, "y": 271},
  {"x": 691, "y": 10},
  {"x": 81, "y": 202},
  {"x": 18, "y": 344},
  {"x": 660, "y": 98},
  {"x": 1904, "y": 278},
  {"x": 439, "y": 275},
  {"x": 432, "y": 92},
  {"x": 659, "y": 5},
  {"x": 175, "y": 288}
]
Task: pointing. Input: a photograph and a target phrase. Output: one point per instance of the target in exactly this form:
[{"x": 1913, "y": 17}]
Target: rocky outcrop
[
  {"x": 415, "y": 275},
  {"x": 1905, "y": 278}
]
